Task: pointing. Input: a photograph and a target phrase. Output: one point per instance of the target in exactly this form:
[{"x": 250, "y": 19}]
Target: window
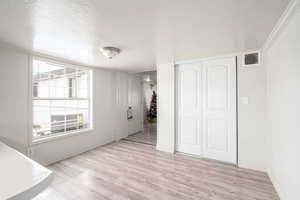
[{"x": 61, "y": 98}]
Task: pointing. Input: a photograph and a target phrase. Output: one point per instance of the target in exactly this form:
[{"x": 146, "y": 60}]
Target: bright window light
[{"x": 61, "y": 98}]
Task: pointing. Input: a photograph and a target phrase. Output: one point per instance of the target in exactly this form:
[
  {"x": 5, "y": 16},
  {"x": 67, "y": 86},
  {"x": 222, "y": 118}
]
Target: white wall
[
  {"x": 165, "y": 107},
  {"x": 251, "y": 117},
  {"x": 283, "y": 106},
  {"x": 110, "y": 103},
  {"x": 13, "y": 98},
  {"x": 121, "y": 129}
]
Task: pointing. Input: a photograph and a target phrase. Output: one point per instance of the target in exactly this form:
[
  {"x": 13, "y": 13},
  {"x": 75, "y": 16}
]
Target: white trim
[
  {"x": 164, "y": 149},
  {"x": 59, "y": 63},
  {"x": 283, "y": 20},
  {"x": 66, "y": 98},
  {"x": 54, "y": 137},
  {"x": 30, "y": 106},
  {"x": 280, "y": 192},
  {"x": 208, "y": 58},
  {"x": 236, "y": 100},
  {"x": 69, "y": 155},
  {"x": 33, "y": 141},
  {"x": 91, "y": 98},
  {"x": 176, "y": 78}
]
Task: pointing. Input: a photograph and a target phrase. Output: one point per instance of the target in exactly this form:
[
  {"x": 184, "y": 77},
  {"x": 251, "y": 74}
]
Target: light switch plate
[{"x": 245, "y": 100}]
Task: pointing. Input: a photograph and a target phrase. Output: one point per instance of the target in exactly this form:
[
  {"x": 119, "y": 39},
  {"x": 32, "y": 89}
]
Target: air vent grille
[{"x": 252, "y": 58}]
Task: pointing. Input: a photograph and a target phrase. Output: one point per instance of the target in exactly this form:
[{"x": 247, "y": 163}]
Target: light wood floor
[
  {"x": 129, "y": 170},
  {"x": 148, "y": 136}
]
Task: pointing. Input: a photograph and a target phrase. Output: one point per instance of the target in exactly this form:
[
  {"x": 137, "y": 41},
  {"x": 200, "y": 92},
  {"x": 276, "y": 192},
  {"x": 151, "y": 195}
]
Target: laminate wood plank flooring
[
  {"x": 128, "y": 170},
  {"x": 148, "y": 136}
]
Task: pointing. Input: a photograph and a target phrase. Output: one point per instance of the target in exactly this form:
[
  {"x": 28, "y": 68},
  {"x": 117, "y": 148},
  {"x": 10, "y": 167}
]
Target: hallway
[{"x": 148, "y": 136}]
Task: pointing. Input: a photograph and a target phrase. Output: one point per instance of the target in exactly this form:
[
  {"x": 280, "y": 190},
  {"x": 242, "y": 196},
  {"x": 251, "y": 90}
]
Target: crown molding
[{"x": 283, "y": 20}]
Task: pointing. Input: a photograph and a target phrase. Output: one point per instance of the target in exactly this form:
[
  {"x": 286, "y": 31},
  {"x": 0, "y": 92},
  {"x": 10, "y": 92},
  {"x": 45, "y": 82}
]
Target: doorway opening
[{"x": 149, "y": 110}]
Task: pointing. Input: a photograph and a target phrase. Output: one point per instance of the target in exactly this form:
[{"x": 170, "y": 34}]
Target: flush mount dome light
[{"x": 110, "y": 52}]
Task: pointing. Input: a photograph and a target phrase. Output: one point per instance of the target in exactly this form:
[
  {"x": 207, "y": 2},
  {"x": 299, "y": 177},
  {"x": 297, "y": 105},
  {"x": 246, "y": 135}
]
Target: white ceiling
[{"x": 148, "y": 31}]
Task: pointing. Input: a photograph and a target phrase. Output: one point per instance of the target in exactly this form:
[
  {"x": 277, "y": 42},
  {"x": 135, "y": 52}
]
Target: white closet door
[
  {"x": 206, "y": 106},
  {"x": 189, "y": 126},
  {"x": 219, "y": 105}
]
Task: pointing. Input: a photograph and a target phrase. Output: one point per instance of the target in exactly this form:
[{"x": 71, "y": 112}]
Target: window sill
[{"x": 60, "y": 136}]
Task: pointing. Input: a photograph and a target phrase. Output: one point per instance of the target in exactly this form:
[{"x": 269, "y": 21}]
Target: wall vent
[{"x": 251, "y": 59}]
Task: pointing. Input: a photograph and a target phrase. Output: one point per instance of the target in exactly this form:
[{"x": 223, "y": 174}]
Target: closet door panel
[
  {"x": 219, "y": 138},
  {"x": 189, "y": 126}
]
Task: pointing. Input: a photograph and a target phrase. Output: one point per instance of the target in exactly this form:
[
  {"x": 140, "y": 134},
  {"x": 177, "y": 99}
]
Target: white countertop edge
[
  {"x": 13, "y": 162},
  {"x": 35, "y": 190}
]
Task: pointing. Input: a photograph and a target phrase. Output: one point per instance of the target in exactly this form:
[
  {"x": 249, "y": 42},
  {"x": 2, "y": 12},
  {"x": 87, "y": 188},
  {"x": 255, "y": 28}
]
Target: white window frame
[{"x": 31, "y": 139}]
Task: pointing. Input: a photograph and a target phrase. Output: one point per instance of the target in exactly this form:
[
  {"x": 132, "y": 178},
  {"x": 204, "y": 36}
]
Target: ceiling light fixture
[
  {"x": 110, "y": 52},
  {"x": 147, "y": 79}
]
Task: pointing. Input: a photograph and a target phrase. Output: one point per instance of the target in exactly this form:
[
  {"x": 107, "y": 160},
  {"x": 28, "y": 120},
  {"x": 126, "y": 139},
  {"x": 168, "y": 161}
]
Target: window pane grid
[{"x": 61, "y": 99}]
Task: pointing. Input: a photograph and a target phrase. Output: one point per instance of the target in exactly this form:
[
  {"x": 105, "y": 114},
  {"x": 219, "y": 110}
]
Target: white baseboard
[
  {"x": 164, "y": 148},
  {"x": 66, "y": 156},
  {"x": 276, "y": 185}
]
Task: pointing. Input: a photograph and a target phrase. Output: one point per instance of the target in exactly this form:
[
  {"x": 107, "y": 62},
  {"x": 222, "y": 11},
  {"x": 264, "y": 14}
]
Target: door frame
[{"x": 176, "y": 67}]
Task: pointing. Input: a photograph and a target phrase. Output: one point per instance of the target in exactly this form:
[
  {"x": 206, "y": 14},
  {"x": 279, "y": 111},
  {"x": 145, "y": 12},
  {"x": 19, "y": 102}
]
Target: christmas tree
[{"x": 152, "y": 114}]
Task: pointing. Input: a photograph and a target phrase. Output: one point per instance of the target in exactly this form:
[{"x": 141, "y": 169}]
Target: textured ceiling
[{"x": 148, "y": 32}]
